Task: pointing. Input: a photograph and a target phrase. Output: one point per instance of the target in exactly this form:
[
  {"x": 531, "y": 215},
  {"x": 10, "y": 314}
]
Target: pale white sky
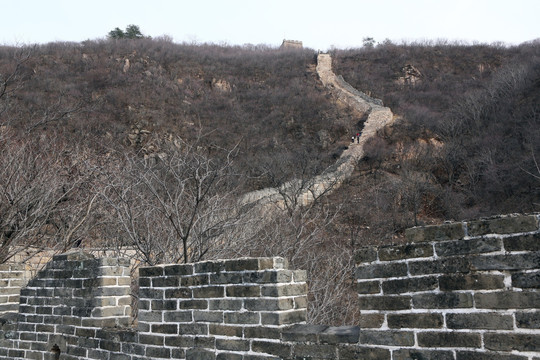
[{"x": 319, "y": 24}]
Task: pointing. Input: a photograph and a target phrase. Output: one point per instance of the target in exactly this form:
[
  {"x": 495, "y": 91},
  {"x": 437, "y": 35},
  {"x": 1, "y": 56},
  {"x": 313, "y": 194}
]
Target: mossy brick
[
  {"x": 503, "y": 225},
  {"x": 262, "y": 304},
  {"x": 487, "y": 355},
  {"x": 528, "y": 242},
  {"x": 284, "y": 317},
  {"x": 408, "y": 354},
  {"x": 526, "y": 280},
  {"x": 409, "y": 285},
  {"x": 209, "y": 292},
  {"x": 385, "y": 302},
  {"x": 365, "y": 255},
  {"x": 466, "y": 247},
  {"x": 452, "y": 231},
  {"x": 455, "y": 264},
  {"x": 262, "y": 332},
  {"x": 225, "y": 304},
  {"x": 226, "y": 278},
  {"x": 284, "y": 290},
  {"x": 373, "y": 320},
  {"x": 195, "y": 280},
  {"x": 486, "y": 321},
  {"x": 243, "y": 291},
  {"x": 268, "y": 276},
  {"x": 272, "y": 348},
  {"x": 179, "y": 293},
  {"x": 200, "y": 304},
  {"x": 506, "y": 262},
  {"x": 375, "y": 271},
  {"x": 151, "y": 271},
  {"x": 178, "y": 316},
  {"x": 364, "y": 353},
  {"x": 178, "y": 269},
  {"x": 233, "y": 344},
  {"x": 340, "y": 335},
  {"x": 415, "y": 321},
  {"x": 386, "y": 337},
  {"x": 168, "y": 281},
  {"x": 409, "y": 251},
  {"x": 442, "y": 301},
  {"x": 471, "y": 282},
  {"x": 508, "y": 300},
  {"x": 512, "y": 341},
  {"x": 528, "y": 319},
  {"x": 449, "y": 339},
  {"x": 368, "y": 287},
  {"x": 247, "y": 317},
  {"x": 226, "y": 330}
]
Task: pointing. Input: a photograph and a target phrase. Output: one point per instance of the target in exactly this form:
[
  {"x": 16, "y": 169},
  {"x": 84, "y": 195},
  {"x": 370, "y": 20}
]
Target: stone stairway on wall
[{"x": 378, "y": 117}]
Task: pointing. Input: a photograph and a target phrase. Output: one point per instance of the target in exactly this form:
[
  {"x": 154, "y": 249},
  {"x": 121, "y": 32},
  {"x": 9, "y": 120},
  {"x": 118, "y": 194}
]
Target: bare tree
[{"x": 174, "y": 207}]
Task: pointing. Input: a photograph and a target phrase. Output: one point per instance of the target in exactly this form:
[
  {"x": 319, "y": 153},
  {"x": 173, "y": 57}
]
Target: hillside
[{"x": 148, "y": 145}]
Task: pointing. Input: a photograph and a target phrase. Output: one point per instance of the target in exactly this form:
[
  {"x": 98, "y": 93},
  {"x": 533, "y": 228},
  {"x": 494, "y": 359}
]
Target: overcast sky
[{"x": 319, "y": 24}]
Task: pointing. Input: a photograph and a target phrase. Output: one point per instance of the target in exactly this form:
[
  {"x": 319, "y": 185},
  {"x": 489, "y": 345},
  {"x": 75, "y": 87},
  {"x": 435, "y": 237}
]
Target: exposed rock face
[
  {"x": 221, "y": 85},
  {"x": 411, "y": 75}
]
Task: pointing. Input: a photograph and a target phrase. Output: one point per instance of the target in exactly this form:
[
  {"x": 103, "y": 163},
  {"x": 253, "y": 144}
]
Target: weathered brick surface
[{"x": 459, "y": 291}]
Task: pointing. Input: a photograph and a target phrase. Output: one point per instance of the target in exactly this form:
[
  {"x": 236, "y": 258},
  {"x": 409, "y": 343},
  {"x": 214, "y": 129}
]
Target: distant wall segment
[{"x": 463, "y": 290}]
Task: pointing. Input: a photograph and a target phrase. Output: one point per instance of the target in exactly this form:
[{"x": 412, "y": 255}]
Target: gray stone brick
[
  {"x": 209, "y": 292},
  {"x": 195, "y": 280},
  {"x": 440, "y": 266},
  {"x": 303, "y": 332},
  {"x": 503, "y": 225},
  {"x": 314, "y": 351},
  {"x": 506, "y": 262},
  {"x": 526, "y": 280},
  {"x": 242, "y": 318},
  {"x": 243, "y": 291},
  {"x": 386, "y": 337},
  {"x": 370, "y": 320},
  {"x": 453, "y": 231},
  {"x": 368, "y": 287},
  {"x": 442, "y": 301},
  {"x": 477, "y": 355},
  {"x": 409, "y": 251},
  {"x": 340, "y": 335},
  {"x": 409, "y": 285},
  {"x": 271, "y": 348},
  {"x": 417, "y": 354},
  {"x": 471, "y": 282},
  {"x": 381, "y": 271},
  {"x": 528, "y": 320},
  {"x": 449, "y": 339},
  {"x": 529, "y": 242},
  {"x": 261, "y": 332},
  {"x": 490, "y": 321},
  {"x": 232, "y": 344},
  {"x": 283, "y": 318},
  {"x": 416, "y": 321},
  {"x": 365, "y": 255},
  {"x": 284, "y": 290},
  {"x": 507, "y": 300},
  {"x": 363, "y": 353},
  {"x": 512, "y": 341},
  {"x": 386, "y": 302},
  {"x": 466, "y": 247},
  {"x": 269, "y": 304}
]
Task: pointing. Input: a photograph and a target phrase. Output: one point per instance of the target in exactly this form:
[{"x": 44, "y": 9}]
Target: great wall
[
  {"x": 460, "y": 291},
  {"x": 378, "y": 117}
]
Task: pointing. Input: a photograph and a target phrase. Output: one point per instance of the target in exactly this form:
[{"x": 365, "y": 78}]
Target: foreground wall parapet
[
  {"x": 463, "y": 290},
  {"x": 460, "y": 291}
]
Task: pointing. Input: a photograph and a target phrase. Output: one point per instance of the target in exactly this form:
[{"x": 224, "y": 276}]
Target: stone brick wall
[
  {"x": 12, "y": 278},
  {"x": 467, "y": 290}
]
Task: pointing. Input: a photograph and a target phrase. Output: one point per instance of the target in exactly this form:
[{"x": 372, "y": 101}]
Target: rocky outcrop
[{"x": 378, "y": 117}]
